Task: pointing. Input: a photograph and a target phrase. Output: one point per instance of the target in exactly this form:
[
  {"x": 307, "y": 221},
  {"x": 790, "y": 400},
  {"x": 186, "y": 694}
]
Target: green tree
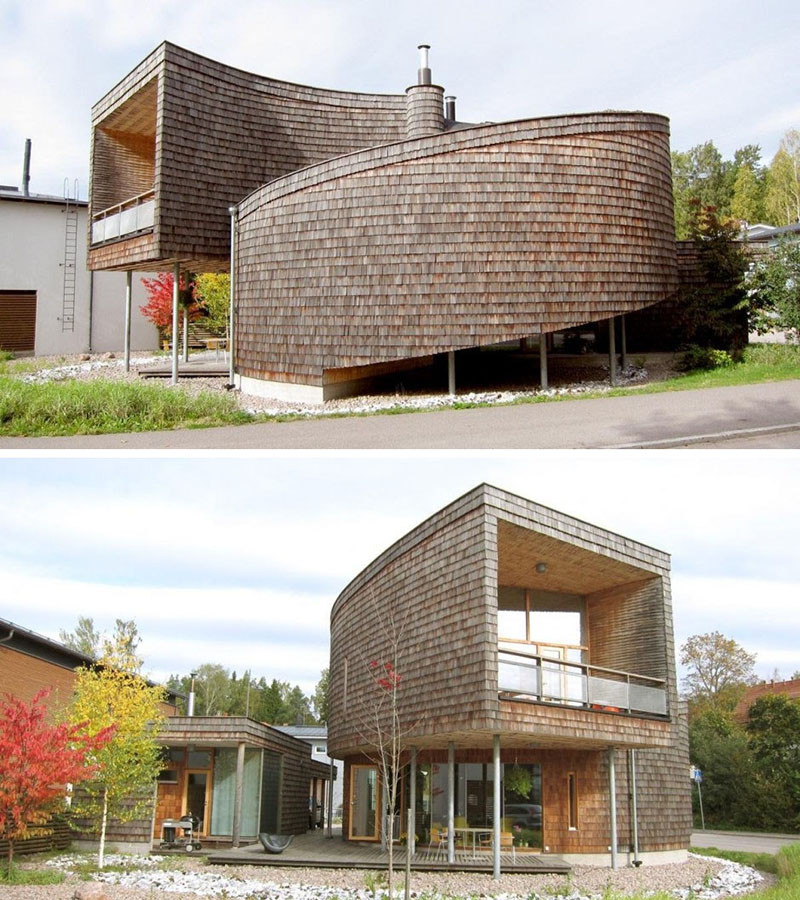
[
  {"x": 212, "y": 686},
  {"x": 107, "y": 696},
  {"x": 123, "y": 644},
  {"x": 320, "y": 698},
  {"x": 718, "y": 670},
  {"x": 747, "y": 203},
  {"x": 783, "y": 182},
  {"x": 719, "y": 747},
  {"x": 213, "y": 290},
  {"x": 714, "y": 312},
  {"x": 773, "y": 289},
  {"x": 773, "y": 727},
  {"x": 701, "y": 176},
  {"x": 297, "y": 707},
  {"x": 85, "y": 639}
]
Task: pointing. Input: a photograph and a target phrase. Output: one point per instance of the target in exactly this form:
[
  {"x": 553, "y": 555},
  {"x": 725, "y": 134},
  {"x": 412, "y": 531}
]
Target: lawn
[{"x": 73, "y": 407}]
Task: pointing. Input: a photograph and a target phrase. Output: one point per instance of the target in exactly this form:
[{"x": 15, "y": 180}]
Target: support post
[
  {"x": 126, "y": 350},
  {"x": 543, "y": 361},
  {"x": 634, "y": 810},
  {"x": 410, "y": 826},
  {"x": 623, "y": 343},
  {"x": 234, "y": 212},
  {"x": 612, "y": 352},
  {"x": 451, "y": 372},
  {"x": 612, "y": 798},
  {"x": 496, "y": 812},
  {"x": 176, "y": 283},
  {"x": 186, "y": 335},
  {"x": 412, "y": 801},
  {"x": 329, "y": 829},
  {"x": 451, "y": 802},
  {"x": 238, "y": 794}
]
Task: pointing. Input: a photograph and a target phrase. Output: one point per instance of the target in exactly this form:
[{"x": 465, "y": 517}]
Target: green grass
[
  {"x": 107, "y": 407},
  {"x": 29, "y": 876}
]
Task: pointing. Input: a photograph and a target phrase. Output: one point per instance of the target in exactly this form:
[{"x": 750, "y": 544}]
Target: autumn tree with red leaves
[
  {"x": 158, "y": 308},
  {"x": 37, "y": 761}
]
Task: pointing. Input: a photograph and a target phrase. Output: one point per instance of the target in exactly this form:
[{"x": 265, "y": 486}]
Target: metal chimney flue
[
  {"x": 26, "y": 169},
  {"x": 450, "y": 108},
  {"x": 424, "y": 71},
  {"x": 190, "y": 704}
]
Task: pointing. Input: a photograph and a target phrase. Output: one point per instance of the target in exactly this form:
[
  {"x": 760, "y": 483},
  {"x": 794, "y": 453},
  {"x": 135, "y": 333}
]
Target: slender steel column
[
  {"x": 451, "y": 802},
  {"x": 623, "y": 343},
  {"x": 612, "y": 353},
  {"x": 176, "y": 282},
  {"x": 329, "y": 829},
  {"x": 543, "y": 361},
  {"x": 612, "y": 799},
  {"x": 451, "y": 372},
  {"x": 126, "y": 351},
  {"x": 635, "y": 810},
  {"x": 496, "y": 812},
  {"x": 238, "y": 794},
  {"x": 412, "y": 802}
]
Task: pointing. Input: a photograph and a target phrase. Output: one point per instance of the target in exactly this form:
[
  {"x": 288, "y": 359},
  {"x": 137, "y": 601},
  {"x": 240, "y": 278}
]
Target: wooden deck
[{"x": 315, "y": 850}]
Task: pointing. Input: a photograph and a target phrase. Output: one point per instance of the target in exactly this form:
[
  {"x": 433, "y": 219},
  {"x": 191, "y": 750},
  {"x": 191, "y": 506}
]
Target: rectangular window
[{"x": 572, "y": 799}]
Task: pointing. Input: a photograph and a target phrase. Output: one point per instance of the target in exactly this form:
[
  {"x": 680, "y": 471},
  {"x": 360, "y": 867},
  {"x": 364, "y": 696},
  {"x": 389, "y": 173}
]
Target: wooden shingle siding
[
  {"x": 441, "y": 580},
  {"x": 18, "y": 321},
  {"x": 459, "y": 240},
  {"x": 220, "y": 134}
]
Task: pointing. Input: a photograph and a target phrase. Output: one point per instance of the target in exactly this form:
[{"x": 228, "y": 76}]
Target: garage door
[{"x": 17, "y": 321}]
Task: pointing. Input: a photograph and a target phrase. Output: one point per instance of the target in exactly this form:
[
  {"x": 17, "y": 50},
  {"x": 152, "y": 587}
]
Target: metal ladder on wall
[{"x": 70, "y": 258}]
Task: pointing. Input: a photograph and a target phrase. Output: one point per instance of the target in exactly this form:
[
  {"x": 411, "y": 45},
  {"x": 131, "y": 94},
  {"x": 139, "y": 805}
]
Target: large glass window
[
  {"x": 364, "y": 803},
  {"x": 224, "y": 791}
]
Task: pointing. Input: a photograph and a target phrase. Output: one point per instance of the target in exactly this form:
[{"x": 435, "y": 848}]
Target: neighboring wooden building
[
  {"x": 375, "y": 233},
  {"x": 529, "y": 639},
  {"x": 201, "y": 757},
  {"x": 210, "y": 761}
]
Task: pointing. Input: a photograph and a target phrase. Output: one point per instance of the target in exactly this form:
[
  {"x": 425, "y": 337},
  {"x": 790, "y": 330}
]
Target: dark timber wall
[{"x": 461, "y": 239}]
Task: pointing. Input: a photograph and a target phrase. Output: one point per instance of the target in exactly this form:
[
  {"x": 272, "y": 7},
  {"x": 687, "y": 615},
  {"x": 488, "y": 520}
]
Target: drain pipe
[
  {"x": 8, "y": 637},
  {"x": 234, "y": 214}
]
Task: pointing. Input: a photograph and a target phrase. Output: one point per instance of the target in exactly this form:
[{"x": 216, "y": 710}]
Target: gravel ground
[
  {"x": 108, "y": 366},
  {"x": 706, "y": 877}
]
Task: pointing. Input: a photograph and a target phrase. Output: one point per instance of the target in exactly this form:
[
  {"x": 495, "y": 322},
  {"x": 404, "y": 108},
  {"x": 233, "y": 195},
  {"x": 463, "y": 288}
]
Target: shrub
[{"x": 705, "y": 358}]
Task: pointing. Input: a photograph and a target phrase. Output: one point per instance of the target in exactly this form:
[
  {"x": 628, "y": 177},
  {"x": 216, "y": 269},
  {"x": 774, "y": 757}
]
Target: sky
[
  {"x": 237, "y": 560},
  {"x": 720, "y": 71}
]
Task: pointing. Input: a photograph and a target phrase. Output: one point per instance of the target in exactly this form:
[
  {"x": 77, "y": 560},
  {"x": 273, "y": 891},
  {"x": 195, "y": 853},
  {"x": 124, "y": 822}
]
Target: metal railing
[
  {"x": 134, "y": 214},
  {"x": 527, "y": 677}
]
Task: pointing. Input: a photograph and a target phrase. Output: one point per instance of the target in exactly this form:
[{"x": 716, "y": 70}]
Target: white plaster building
[{"x": 50, "y": 304}]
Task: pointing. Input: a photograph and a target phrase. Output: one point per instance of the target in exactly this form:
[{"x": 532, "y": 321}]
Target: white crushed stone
[{"x": 186, "y": 878}]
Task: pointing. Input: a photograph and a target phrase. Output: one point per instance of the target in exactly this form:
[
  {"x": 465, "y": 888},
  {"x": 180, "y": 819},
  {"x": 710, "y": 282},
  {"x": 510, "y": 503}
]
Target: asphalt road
[
  {"x": 741, "y": 840},
  {"x": 758, "y": 416}
]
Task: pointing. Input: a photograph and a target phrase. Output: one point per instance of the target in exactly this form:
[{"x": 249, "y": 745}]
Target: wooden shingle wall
[
  {"x": 222, "y": 133},
  {"x": 441, "y": 579},
  {"x": 463, "y": 239}
]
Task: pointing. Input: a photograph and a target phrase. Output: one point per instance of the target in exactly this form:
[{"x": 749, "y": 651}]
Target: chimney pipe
[
  {"x": 26, "y": 169},
  {"x": 424, "y": 72},
  {"x": 190, "y": 704},
  {"x": 450, "y": 108}
]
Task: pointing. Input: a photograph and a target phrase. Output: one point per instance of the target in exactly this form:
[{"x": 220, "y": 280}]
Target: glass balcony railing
[
  {"x": 525, "y": 677},
  {"x": 135, "y": 214}
]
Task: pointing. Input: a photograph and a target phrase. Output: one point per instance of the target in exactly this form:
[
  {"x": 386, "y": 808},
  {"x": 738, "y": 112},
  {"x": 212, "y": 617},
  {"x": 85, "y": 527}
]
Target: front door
[
  {"x": 196, "y": 798},
  {"x": 364, "y": 803}
]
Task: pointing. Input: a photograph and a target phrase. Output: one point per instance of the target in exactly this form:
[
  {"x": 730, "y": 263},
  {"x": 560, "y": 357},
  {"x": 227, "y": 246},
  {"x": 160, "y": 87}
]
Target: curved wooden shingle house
[
  {"x": 371, "y": 232},
  {"x": 527, "y": 640}
]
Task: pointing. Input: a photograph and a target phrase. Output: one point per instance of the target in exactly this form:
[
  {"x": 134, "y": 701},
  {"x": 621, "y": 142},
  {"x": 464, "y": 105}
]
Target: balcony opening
[
  {"x": 577, "y": 628},
  {"x": 123, "y": 167}
]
